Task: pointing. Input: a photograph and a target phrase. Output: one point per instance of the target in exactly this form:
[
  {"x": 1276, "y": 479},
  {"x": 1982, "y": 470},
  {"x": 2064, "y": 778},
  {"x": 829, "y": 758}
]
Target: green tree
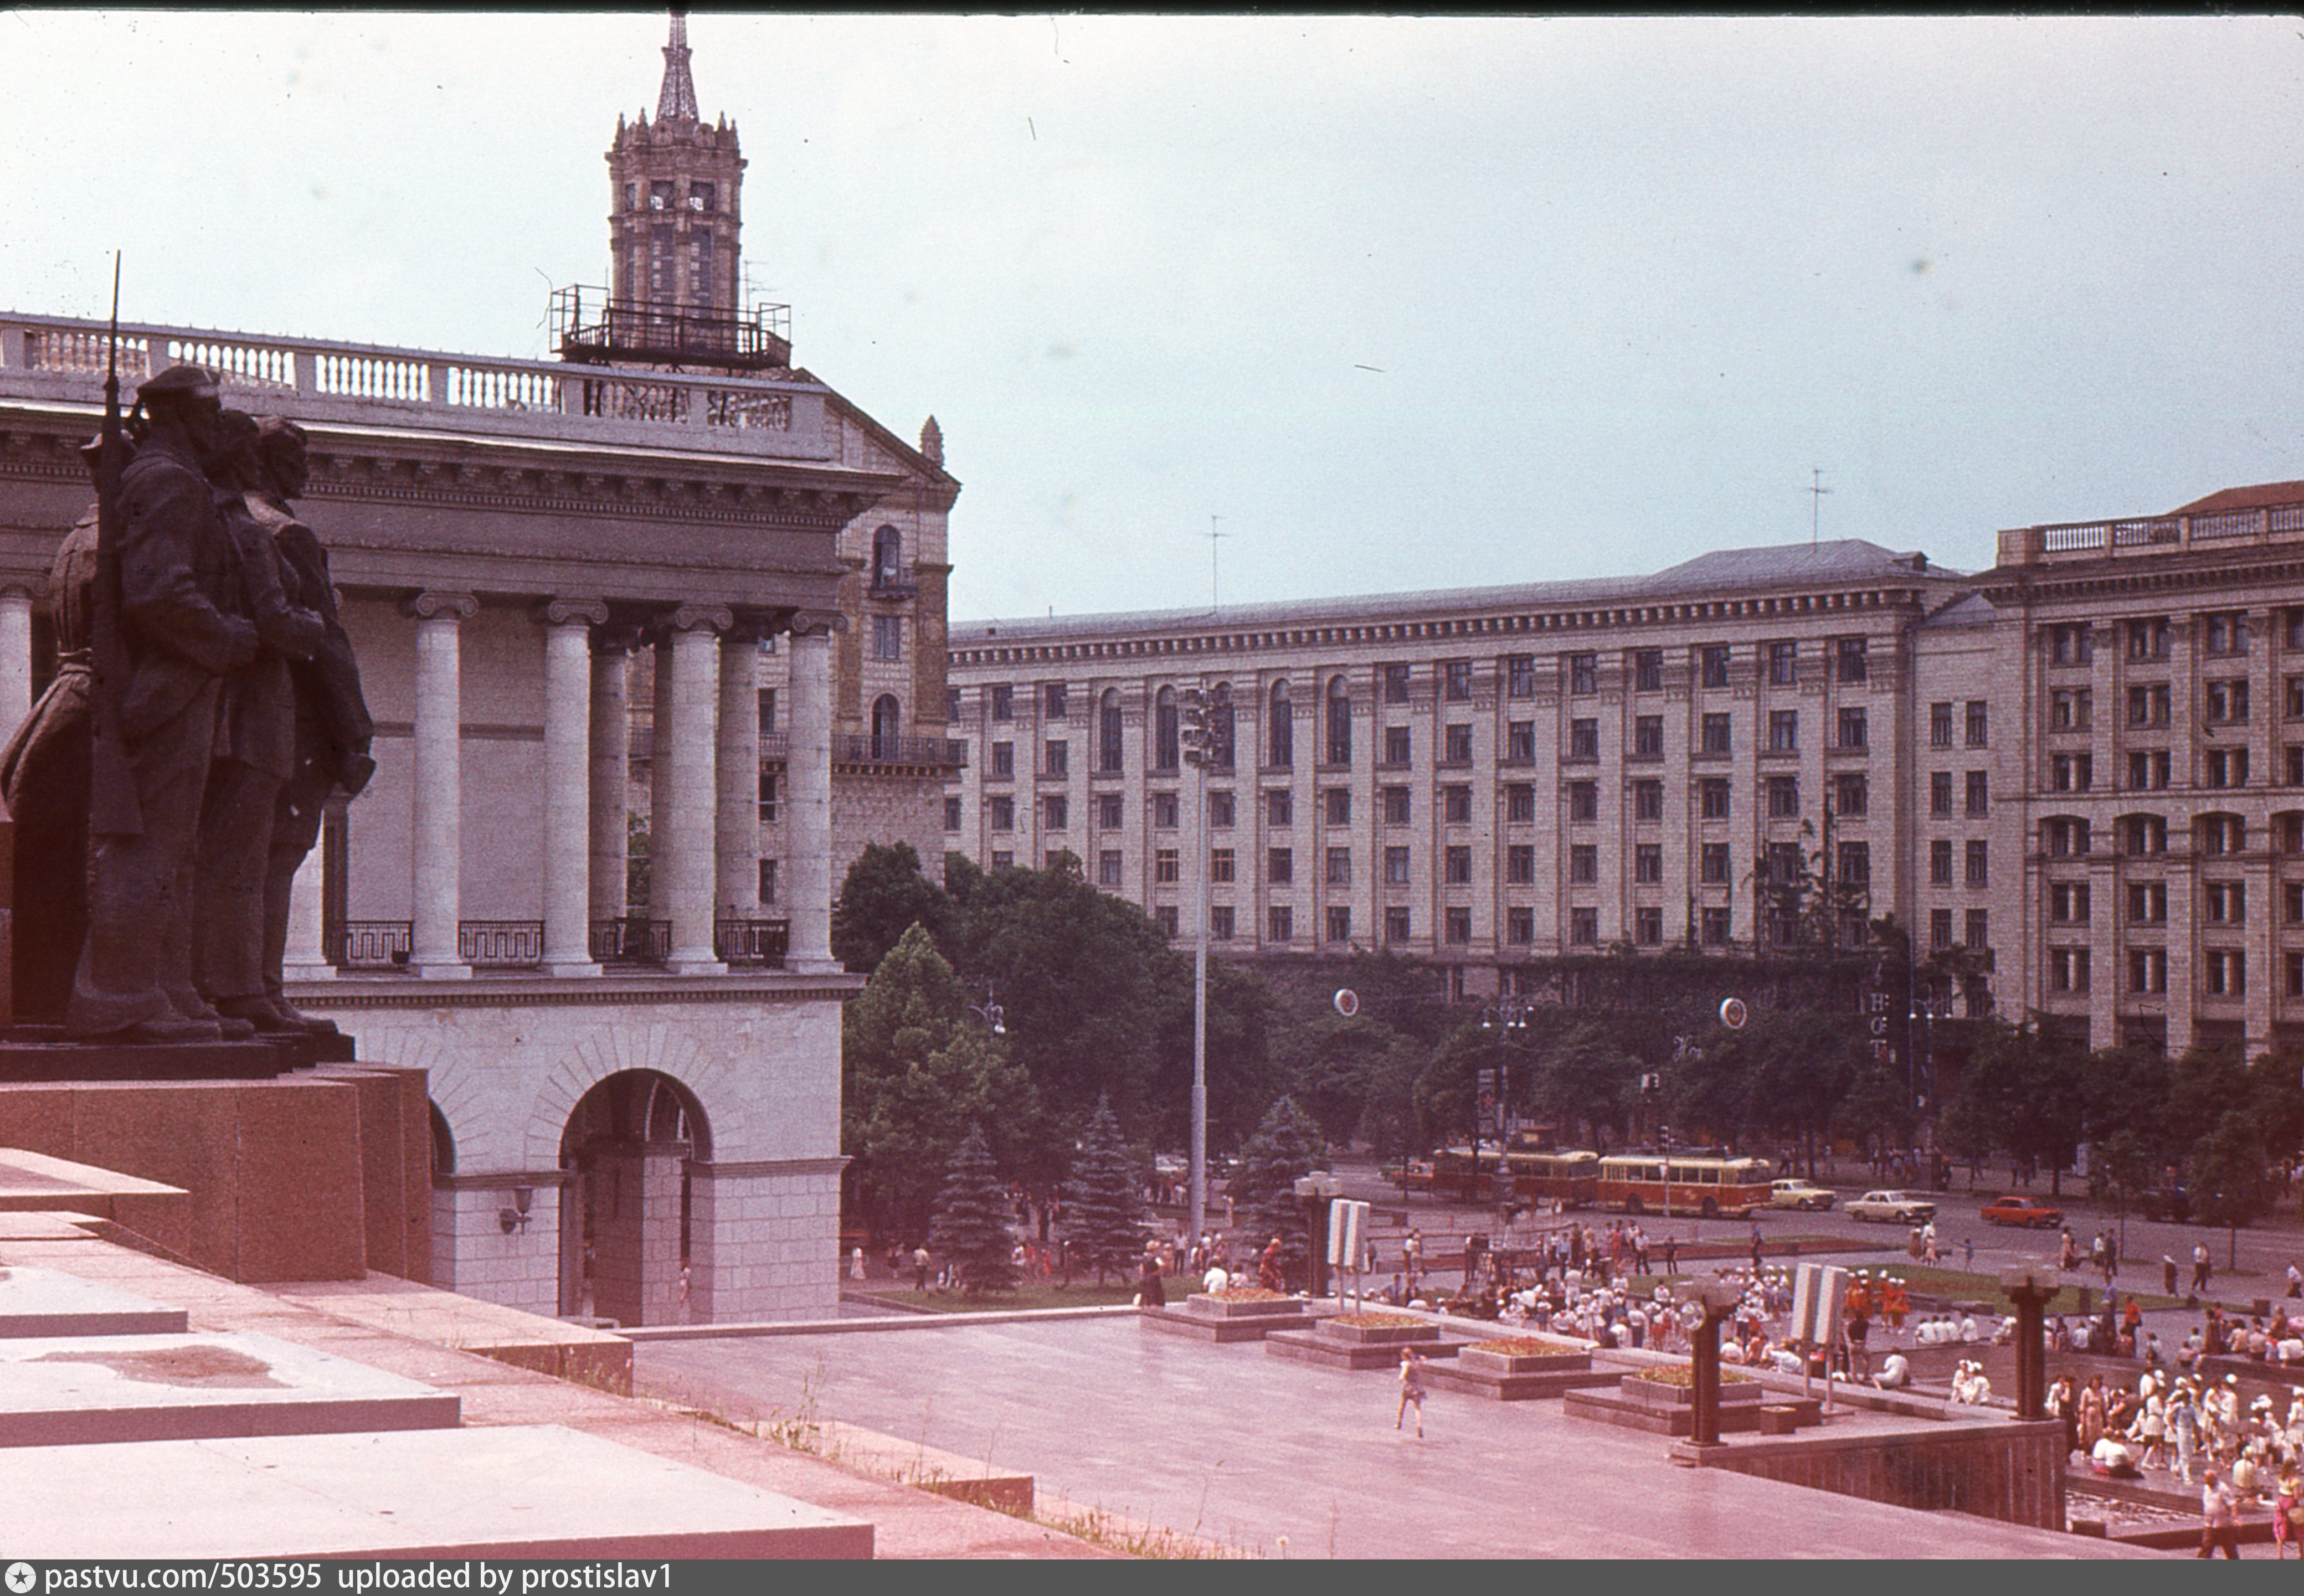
[
  {"x": 883, "y": 895},
  {"x": 1286, "y": 1146},
  {"x": 919, "y": 1074},
  {"x": 972, "y": 1220},
  {"x": 1104, "y": 1199},
  {"x": 2228, "y": 1173}
]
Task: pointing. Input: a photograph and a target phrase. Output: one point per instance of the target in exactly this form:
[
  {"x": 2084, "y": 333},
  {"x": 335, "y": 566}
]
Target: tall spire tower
[{"x": 675, "y": 294}]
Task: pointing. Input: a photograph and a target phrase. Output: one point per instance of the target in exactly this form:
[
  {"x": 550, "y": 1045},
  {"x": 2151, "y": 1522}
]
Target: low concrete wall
[{"x": 2013, "y": 1472}]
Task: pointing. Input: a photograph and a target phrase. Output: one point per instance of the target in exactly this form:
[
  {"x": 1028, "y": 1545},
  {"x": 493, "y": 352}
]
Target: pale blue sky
[{"x": 1622, "y": 282}]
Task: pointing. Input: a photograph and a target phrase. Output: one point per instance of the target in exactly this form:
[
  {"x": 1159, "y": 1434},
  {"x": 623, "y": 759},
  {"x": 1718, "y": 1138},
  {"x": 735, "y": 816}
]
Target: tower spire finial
[{"x": 678, "y": 98}]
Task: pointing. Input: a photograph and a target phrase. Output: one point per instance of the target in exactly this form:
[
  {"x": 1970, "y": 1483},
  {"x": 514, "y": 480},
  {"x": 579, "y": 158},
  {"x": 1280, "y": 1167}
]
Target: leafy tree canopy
[
  {"x": 884, "y": 895},
  {"x": 972, "y": 1220}
]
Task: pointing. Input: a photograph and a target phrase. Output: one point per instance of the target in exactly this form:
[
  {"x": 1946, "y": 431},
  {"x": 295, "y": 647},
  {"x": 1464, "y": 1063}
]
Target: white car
[
  {"x": 1799, "y": 1194},
  {"x": 1897, "y": 1208}
]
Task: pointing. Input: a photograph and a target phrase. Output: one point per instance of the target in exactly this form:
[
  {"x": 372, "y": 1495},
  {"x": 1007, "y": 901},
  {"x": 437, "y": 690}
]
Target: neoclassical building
[{"x": 648, "y": 633}]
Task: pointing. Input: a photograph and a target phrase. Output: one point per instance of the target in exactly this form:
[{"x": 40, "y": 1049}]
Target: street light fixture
[{"x": 990, "y": 1012}]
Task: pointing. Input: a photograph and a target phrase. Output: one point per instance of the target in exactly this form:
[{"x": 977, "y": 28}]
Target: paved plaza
[{"x": 1282, "y": 1459}]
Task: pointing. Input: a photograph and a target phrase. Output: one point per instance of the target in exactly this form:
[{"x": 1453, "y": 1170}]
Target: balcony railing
[
  {"x": 2098, "y": 540},
  {"x": 369, "y": 944},
  {"x": 932, "y": 753},
  {"x": 500, "y": 944},
  {"x": 760, "y": 944},
  {"x": 631, "y": 941},
  {"x": 595, "y": 328},
  {"x": 64, "y": 359}
]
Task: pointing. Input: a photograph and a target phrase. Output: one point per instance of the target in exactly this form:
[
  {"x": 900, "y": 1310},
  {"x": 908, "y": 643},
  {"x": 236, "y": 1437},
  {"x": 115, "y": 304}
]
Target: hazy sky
[{"x": 1407, "y": 302}]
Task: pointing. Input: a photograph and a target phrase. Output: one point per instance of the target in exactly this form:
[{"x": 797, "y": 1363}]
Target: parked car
[
  {"x": 1893, "y": 1207},
  {"x": 1799, "y": 1194},
  {"x": 2168, "y": 1203},
  {"x": 2023, "y": 1211}
]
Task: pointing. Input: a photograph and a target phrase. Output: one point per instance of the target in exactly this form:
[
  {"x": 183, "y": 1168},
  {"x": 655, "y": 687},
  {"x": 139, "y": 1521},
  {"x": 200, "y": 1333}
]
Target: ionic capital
[
  {"x": 430, "y": 605},
  {"x": 717, "y": 618},
  {"x": 561, "y": 611}
]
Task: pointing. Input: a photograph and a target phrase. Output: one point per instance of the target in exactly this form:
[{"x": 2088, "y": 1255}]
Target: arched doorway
[
  {"x": 887, "y": 724},
  {"x": 625, "y": 1203}
]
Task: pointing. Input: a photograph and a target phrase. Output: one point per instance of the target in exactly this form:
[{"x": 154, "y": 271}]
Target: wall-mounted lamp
[{"x": 515, "y": 1218}]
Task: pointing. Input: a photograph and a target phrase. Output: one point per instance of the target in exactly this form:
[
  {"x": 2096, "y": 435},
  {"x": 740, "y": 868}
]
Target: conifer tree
[
  {"x": 972, "y": 1220},
  {"x": 1285, "y": 1146},
  {"x": 1104, "y": 1200}
]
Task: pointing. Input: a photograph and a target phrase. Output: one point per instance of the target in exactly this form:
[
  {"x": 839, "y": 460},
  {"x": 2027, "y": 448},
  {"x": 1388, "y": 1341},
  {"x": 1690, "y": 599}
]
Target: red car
[{"x": 2024, "y": 1211}]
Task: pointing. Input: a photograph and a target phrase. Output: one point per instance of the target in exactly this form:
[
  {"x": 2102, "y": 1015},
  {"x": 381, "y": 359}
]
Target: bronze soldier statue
[
  {"x": 176, "y": 634},
  {"x": 254, "y": 753},
  {"x": 332, "y": 725}
]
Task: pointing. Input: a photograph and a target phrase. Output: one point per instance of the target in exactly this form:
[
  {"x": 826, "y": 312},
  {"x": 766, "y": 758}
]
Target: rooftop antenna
[
  {"x": 1213, "y": 535},
  {"x": 1817, "y": 490}
]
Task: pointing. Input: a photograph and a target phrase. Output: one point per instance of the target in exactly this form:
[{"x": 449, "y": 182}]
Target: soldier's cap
[{"x": 178, "y": 379}]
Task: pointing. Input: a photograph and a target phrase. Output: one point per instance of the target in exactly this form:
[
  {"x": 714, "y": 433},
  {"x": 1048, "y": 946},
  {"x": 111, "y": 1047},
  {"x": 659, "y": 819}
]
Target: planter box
[
  {"x": 1524, "y": 1363},
  {"x": 1379, "y": 1335},
  {"x": 1651, "y": 1394},
  {"x": 1220, "y": 1307}
]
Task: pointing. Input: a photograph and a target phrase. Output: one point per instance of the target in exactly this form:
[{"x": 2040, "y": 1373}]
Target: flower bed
[
  {"x": 1684, "y": 1376},
  {"x": 1523, "y": 1355},
  {"x": 1674, "y": 1385},
  {"x": 1375, "y": 1320},
  {"x": 1249, "y": 1294},
  {"x": 1516, "y": 1347},
  {"x": 1247, "y": 1302}
]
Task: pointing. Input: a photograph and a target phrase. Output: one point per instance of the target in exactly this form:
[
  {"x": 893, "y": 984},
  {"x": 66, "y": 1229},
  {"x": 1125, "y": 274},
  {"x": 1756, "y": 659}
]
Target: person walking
[
  {"x": 2200, "y": 1270},
  {"x": 2219, "y": 1517},
  {"x": 1412, "y": 1390}
]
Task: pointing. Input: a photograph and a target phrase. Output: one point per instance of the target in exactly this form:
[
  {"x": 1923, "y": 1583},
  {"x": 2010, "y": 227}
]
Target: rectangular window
[
  {"x": 1519, "y": 742},
  {"x": 1395, "y": 805},
  {"x": 1396, "y": 866},
  {"x": 1939, "y": 725},
  {"x": 2147, "y": 638},
  {"x": 1940, "y": 793},
  {"x": 1648, "y": 737},
  {"x": 1718, "y": 924},
  {"x": 1647, "y": 801},
  {"x": 1979, "y": 863},
  {"x": 1456, "y": 804},
  {"x": 2226, "y": 699},
  {"x": 1712, "y": 798},
  {"x": 1278, "y": 808},
  {"x": 1458, "y": 863},
  {"x": 1163, "y": 866},
  {"x": 1004, "y": 702},
  {"x": 767, "y": 883},
  {"x": 1647, "y": 925},
  {"x": 1784, "y": 664},
  {"x": 2068, "y": 969},
  {"x": 2067, "y": 836},
  {"x": 2148, "y": 903},
  {"x": 1583, "y": 864},
  {"x": 1520, "y": 676},
  {"x": 2226, "y": 902},
  {"x": 1849, "y": 653},
  {"x": 1396, "y": 746},
  {"x": 952, "y": 814},
  {"x": 768, "y": 799},
  {"x": 2221, "y": 834},
  {"x": 1583, "y": 800},
  {"x": 1852, "y": 726},
  {"x": 1856, "y": 864},
  {"x": 1340, "y": 867},
  {"x": 1395, "y": 683},
  {"x": 2225, "y": 767},
  {"x": 1055, "y": 813},
  {"x": 2295, "y": 762},
  {"x": 1053, "y": 694},
  {"x": 1004, "y": 759},
  {"x": 1939, "y": 930},
  {"x": 1712, "y": 734},
  {"x": 1337, "y": 801},
  {"x": 1583, "y": 739},
  {"x": 1059, "y": 757},
  {"x": 768, "y": 709},
  {"x": 2148, "y": 705},
  {"x": 1221, "y": 921},
  {"x": 2147, "y": 770},
  {"x": 2073, "y": 645},
  {"x": 1647, "y": 862},
  {"x": 2071, "y": 709},
  {"x": 1583, "y": 673},
  {"x": 2223, "y": 632},
  {"x": 1164, "y": 917},
  {"x": 2295, "y": 696},
  {"x": 1711, "y": 665},
  {"x": 1713, "y": 867},
  {"x": 1279, "y": 924},
  {"x": 1520, "y": 926},
  {"x": 1851, "y": 794},
  {"x": 2296, "y": 974},
  {"x": 1783, "y": 862},
  {"x": 2148, "y": 969},
  {"x": 1977, "y": 931},
  {"x": 1519, "y": 863},
  {"x": 1979, "y": 792},
  {"x": 1456, "y": 681},
  {"x": 1280, "y": 865},
  {"x": 1940, "y": 862},
  {"x": 1978, "y": 722},
  {"x": 2072, "y": 773},
  {"x": 1648, "y": 670},
  {"x": 2143, "y": 835},
  {"x": 1784, "y": 732},
  {"x": 1002, "y": 812},
  {"x": 1784, "y": 797},
  {"x": 1107, "y": 868},
  {"x": 950, "y": 708},
  {"x": 1164, "y": 811},
  {"x": 2292, "y": 902},
  {"x": 1340, "y": 923},
  {"x": 1583, "y": 926},
  {"x": 1110, "y": 811},
  {"x": 1220, "y": 864},
  {"x": 1221, "y": 811},
  {"x": 2226, "y": 969},
  {"x": 2068, "y": 903},
  {"x": 1458, "y": 743},
  {"x": 1396, "y": 925}
]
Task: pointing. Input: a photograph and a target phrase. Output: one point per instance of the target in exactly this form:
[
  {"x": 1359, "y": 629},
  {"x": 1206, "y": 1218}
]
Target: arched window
[
  {"x": 1166, "y": 747},
  {"x": 1280, "y": 734},
  {"x": 887, "y": 558},
  {"x": 2141, "y": 835},
  {"x": 1220, "y": 726},
  {"x": 1340, "y": 720},
  {"x": 886, "y": 719},
  {"x": 1108, "y": 732}
]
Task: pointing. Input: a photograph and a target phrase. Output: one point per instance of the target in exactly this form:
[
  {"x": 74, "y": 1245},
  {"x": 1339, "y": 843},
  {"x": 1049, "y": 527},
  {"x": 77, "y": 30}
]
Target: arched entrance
[{"x": 624, "y": 1214}]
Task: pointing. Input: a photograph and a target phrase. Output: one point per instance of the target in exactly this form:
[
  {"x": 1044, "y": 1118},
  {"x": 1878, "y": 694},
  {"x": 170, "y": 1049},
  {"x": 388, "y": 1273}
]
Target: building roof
[
  {"x": 1971, "y": 609},
  {"x": 2256, "y": 497},
  {"x": 1720, "y": 571}
]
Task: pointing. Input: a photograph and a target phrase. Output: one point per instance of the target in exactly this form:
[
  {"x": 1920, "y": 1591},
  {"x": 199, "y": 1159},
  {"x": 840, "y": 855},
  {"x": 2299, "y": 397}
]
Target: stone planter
[
  {"x": 1651, "y": 1393},
  {"x": 1222, "y": 1307},
  {"x": 1379, "y": 1335},
  {"x": 1524, "y": 1363}
]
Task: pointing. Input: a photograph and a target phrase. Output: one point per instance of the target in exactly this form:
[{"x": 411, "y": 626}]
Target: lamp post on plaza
[
  {"x": 1194, "y": 734},
  {"x": 990, "y": 1012}
]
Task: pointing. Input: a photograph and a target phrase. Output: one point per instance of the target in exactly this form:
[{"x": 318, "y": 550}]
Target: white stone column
[
  {"x": 307, "y": 958},
  {"x": 685, "y": 864},
  {"x": 567, "y": 841},
  {"x": 436, "y": 899},
  {"x": 15, "y": 659},
  {"x": 737, "y": 826},
  {"x": 659, "y": 778},
  {"x": 611, "y": 735},
  {"x": 808, "y": 776}
]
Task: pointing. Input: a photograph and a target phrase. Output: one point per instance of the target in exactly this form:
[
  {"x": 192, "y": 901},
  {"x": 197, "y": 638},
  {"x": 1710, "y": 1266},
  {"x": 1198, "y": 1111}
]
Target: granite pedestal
[
  {"x": 1224, "y": 1319},
  {"x": 1334, "y": 1343},
  {"x": 1520, "y": 1376}
]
